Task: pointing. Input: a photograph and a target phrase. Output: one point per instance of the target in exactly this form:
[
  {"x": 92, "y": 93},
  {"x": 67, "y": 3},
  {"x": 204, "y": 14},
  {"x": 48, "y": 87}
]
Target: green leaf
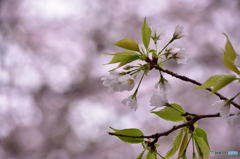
[
  {"x": 157, "y": 145},
  {"x": 172, "y": 112},
  {"x": 229, "y": 56},
  {"x": 201, "y": 141},
  {"x": 140, "y": 155},
  {"x": 129, "y": 44},
  {"x": 113, "y": 129},
  {"x": 184, "y": 156},
  {"x": 194, "y": 156},
  {"x": 200, "y": 155},
  {"x": 201, "y": 133},
  {"x": 217, "y": 82},
  {"x": 203, "y": 147},
  {"x": 146, "y": 33},
  {"x": 183, "y": 146},
  {"x": 124, "y": 58},
  {"x": 130, "y": 132},
  {"x": 175, "y": 145},
  {"x": 151, "y": 155}
]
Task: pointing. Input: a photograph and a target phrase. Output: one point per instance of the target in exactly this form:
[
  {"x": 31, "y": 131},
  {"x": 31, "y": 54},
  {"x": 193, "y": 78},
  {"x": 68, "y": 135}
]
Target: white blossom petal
[
  {"x": 118, "y": 83},
  {"x": 182, "y": 58},
  {"x": 126, "y": 83},
  {"x": 161, "y": 86},
  {"x": 175, "y": 50},
  {"x": 234, "y": 120},
  {"x": 222, "y": 108},
  {"x": 178, "y": 33},
  {"x": 159, "y": 96},
  {"x": 158, "y": 99},
  {"x": 131, "y": 102},
  {"x": 180, "y": 55}
]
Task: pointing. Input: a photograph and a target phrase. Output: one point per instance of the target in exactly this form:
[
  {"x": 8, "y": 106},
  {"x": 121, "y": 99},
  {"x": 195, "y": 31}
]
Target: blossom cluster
[
  {"x": 149, "y": 58},
  {"x": 117, "y": 82},
  {"x": 125, "y": 81},
  {"x": 223, "y": 107},
  {"x": 153, "y": 57}
]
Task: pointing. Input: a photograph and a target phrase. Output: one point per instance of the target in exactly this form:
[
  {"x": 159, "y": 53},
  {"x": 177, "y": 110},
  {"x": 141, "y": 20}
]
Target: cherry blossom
[
  {"x": 131, "y": 101},
  {"x": 180, "y": 55},
  {"x": 222, "y": 107},
  {"x": 159, "y": 96},
  {"x": 118, "y": 83},
  {"x": 234, "y": 120},
  {"x": 178, "y": 33}
]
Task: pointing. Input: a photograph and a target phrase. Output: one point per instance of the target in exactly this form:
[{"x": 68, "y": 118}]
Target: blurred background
[{"x": 52, "y": 102}]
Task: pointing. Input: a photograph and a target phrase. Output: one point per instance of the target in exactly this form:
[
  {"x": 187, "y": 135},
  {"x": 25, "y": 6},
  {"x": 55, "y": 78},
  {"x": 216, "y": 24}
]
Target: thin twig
[
  {"x": 187, "y": 79},
  {"x": 156, "y": 136}
]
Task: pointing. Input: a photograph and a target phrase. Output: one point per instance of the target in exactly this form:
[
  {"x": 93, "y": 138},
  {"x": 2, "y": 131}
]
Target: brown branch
[
  {"x": 184, "y": 78},
  {"x": 176, "y": 127}
]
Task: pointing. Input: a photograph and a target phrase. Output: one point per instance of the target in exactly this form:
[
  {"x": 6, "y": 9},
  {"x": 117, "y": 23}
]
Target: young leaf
[
  {"x": 202, "y": 145},
  {"x": 130, "y": 132},
  {"x": 177, "y": 107},
  {"x": 194, "y": 155},
  {"x": 151, "y": 155},
  {"x": 113, "y": 129},
  {"x": 185, "y": 157},
  {"x": 223, "y": 81},
  {"x": 217, "y": 82},
  {"x": 200, "y": 155},
  {"x": 123, "y": 58},
  {"x": 146, "y": 33},
  {"x": 175, "y": 146},
  {"x": 229, "y": 56},
  {"x": 129, "y": 44},
  {"x": 172, "y": 112},
  {"x": 183, "y": 146},
  {"x": 140, "y": 155},
  {"x": 157, "y": 145},
  {"x": 201, "y": 141},
  {"x": 201, "y": 133}
]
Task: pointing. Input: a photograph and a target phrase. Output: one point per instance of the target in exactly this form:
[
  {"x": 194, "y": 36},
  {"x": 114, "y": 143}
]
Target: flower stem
[
  {"x": 165, "y": 47},
  {"x": 135, "y": 92}
]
